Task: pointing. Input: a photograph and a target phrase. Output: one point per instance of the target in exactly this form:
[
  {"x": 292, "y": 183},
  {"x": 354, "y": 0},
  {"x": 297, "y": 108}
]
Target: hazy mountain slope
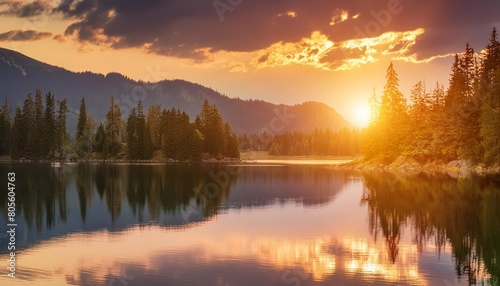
[{"x": 20, "y": 75}]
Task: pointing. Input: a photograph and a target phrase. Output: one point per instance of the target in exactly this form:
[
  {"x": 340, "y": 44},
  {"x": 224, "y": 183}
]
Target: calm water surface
[{"x": 249, "y": 225}]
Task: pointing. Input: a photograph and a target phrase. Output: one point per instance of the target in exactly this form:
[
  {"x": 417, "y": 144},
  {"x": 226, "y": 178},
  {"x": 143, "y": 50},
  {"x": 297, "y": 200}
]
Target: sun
[{"x": 362, "y": 115}]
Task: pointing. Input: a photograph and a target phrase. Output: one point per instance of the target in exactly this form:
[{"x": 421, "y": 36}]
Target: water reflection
[
  {"x": 251, "y": 225},
  {"x": 463, "y": 213},
  {"x": 88, "y": 197}
]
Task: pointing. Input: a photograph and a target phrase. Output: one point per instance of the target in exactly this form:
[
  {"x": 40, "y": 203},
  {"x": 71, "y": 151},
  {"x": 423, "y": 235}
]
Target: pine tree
[
  {"x": 83, "y": 142},
  {"x": 490, "y": 63},
  {"x": 210, "y": 125},
  {"x": 490, "y": 130},
  {"x": 132, "y": 136},
  {"x": 490, "y": 93},
  {"x": 393, "y": 117},
  {"x": 144, "y": 143},
  {"x": 82, "y": 120},
  {"x": 231, "y": 143},
  {"x": 421, "y": 134},
  {"x": 153, "y": 121},
  {"x": 49, "y": 127},
  {"x": 138, "y": 135},
  {"x": 60, "y": 136},
  {"x": 463, "y": 108},
  {"x": 99, "y": 139},
  {"x": 437, "y": 123},
  {"x": 27, "y": 140},
  {"x": 113, "y": 128},
  {"x": 195, "y": 143},
  {"x": 490, "y": 118},
  {"x": 18, "y": 137},
  {"x": 168, "y": 133},
  {"x": 34, "y": 143},
  {"x": 5, "y": 128},
  {"x": 454, "y": 102}
]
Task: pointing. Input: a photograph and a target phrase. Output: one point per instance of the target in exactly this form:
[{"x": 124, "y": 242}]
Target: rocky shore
[{"x": 409, "y": 166}]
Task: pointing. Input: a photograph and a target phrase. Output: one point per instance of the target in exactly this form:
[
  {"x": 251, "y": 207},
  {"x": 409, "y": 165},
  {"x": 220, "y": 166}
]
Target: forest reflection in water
[
  {"x": 440, "y": 213},
  {"x": 439, "y": 210}
]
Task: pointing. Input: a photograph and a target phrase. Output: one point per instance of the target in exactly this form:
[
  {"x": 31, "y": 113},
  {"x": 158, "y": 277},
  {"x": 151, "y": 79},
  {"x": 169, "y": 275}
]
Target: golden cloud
[
  {"x": 320, "y": 52},
  {"x": 290, "y": 14},
  {"x": 339, "y": 16}
]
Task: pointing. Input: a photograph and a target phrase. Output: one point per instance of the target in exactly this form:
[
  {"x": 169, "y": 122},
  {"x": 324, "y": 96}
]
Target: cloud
[
  {"x": 24, "y": 10},
  {"x": 60, "y": 38},
  {"x": 195, "y": 29},
  {"x": 307, "y": 51},
  {"x": 237, "y": 67},
  {"x": 339, "y": 16},
  {"x": 320, "y": 52},
  {"x": 27, "y": 35}
]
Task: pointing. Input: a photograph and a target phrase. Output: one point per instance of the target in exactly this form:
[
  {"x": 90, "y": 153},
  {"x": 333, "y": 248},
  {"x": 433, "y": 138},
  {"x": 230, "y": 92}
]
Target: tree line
[
  {"x": 38, "y": 131},
  {"x": 345, "y": 142},
  {"x": 460, "y": 122}
]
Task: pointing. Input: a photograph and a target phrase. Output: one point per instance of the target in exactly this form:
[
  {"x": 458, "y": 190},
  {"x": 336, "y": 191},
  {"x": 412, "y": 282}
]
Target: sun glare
[{"x": 362, "y": 115}]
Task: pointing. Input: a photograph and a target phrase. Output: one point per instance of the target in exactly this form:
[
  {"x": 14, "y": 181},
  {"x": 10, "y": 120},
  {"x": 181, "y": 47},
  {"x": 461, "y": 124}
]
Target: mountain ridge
[{"x": 20, "y": 75}]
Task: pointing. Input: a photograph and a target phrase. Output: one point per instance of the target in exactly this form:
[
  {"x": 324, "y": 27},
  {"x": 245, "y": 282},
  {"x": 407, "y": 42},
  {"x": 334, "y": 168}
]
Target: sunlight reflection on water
[{"x": 275, "y": 226}]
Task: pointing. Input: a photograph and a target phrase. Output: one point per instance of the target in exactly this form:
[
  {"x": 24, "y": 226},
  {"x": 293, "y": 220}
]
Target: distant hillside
[{"x": 20, "y": 75}]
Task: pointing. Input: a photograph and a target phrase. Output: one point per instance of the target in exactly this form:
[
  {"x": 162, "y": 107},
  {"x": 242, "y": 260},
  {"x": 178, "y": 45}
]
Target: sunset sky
[{"x": 288, "y": 51}]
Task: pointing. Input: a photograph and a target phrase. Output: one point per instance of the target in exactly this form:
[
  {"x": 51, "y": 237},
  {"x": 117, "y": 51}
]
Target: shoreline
[
  {"x": 57, "y": 163},
  {"x": 249, "y": 158},
  {"x": 403, "y": 165},
  {"x": 410, "y": 166}
]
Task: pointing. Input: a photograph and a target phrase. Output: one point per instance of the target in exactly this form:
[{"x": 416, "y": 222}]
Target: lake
[{"x": 277, "y": 224}]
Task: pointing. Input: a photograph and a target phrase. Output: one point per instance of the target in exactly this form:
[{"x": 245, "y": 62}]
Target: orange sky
[{"x": 289, "y": 52}]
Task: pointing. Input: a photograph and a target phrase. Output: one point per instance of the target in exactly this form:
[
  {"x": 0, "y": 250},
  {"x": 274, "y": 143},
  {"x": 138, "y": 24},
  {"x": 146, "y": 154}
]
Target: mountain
[{"x": 20, "y": 75}]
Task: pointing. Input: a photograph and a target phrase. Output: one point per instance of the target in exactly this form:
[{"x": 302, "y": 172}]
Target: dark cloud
[
  {"x": 24, "y": 10},
  {"x": 59, "y": 38},
  {"x": 449, "y": 26},
  {"x": 19, "y": 35},
  {"x": 197, "y": 28}
]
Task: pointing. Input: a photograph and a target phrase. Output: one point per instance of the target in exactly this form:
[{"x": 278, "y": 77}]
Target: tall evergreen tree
[
  {"x": 49, "y": 127},
  {"x": 113, "y": 128},
  {"x": 83, "y": 144},
  {"x": 37, "y": 149},
  {"x": 231, "y": 143},
  {"x": 5, "y": 128},
  {"x": 438, "y": 123},
  {"x": 153, "y": 121},
  {"x": 27, "y": 137},
  {"x": 490, "y": 118},
  {"x": 18, "y": 137},
  {"x": 490, "y": 59},
  {"x": 168, "y": 119},
  {"x": 132, "y": 135},
  {"x": 99, "y": 139},
  {"x": 144, "y": 141},
  {"x": 463, "y": 108},
  {"x": 490, "y": 93},
  {"x": 420, "y": 113},
  {"x": 82, "y": 120},
  {"x": 393, "y": 117},
  {"x": 60, "y": 134},
  {"x": 211, "y": 126}
]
